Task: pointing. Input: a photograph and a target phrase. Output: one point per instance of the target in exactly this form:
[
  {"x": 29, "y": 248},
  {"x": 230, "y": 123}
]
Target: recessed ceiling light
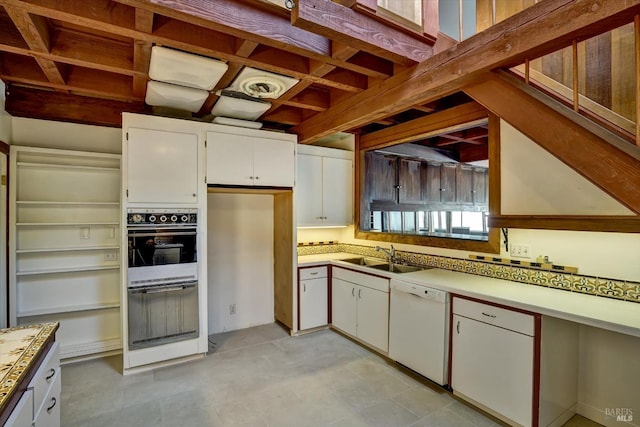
[
  {"x": 167, "y": 95},
  {"x": 185, "y": 69}
]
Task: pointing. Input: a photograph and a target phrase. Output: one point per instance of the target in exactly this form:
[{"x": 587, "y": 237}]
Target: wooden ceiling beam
[
  {"x": 340, "y": 23},
  {"x": 142, "y": 51},
  {"x": 424, "y": 127},
  {"x": 248, "y": 22},
  {"x": 473, "y": 153},
  {"x": 27, "y": 102},
  {"x": 586, "y": 148},
  {"x": 35, "y": 31},
  {"x": 542, "y": 28}
]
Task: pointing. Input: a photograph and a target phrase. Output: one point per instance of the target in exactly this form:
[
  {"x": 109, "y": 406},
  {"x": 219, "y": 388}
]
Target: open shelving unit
[{"x": 65, "y": 246}]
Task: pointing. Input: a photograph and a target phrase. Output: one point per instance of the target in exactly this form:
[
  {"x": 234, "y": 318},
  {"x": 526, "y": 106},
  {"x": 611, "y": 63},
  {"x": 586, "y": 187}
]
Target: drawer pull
[
  {"x": 53, "y": 399},
  {"x": 313, "y": 273},
  {"x": 304, "y": 287},
  {"x": 359, "y": 293},
  {"x": 493, "y": 316},
  {"x": 353, "y": 292},
  {"x": 51, "y": 375}
]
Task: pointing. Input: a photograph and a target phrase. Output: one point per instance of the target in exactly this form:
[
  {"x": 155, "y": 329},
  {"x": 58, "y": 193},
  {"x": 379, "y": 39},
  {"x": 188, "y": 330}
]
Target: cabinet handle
[
  {"x": 353, "y": 292},
  {"x": 313, "y": 274},
  {"x": 359, "y": 293},
  {"x": 304, "y": 287},
  {"x": 257, "y": 177},
  {"x": 53, "y": 399},
  {"x": 319, "y": 217},
  {"x": 443, "y": 189},
  {"x": 194, "y": 194},
  {"x": 493, "y": 316},
  {"x": 53, "y": 372},
  {"x": 458, "y": 327},
  {"x": 250, "y": 177}
]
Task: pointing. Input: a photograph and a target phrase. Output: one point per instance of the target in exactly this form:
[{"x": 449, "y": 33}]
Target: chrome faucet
[{"x": 391, "y": 252}]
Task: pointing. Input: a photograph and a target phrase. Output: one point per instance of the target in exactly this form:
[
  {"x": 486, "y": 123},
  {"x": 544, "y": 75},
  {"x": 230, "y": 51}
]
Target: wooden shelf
[
  {"x": 67, "y": 167},
  {"x": 68, "y": 309},
  {"x": 70, "y": 249},
  {"x": 66, "y": 270},
  {"x": 65, "y": 203},
  {"x": 63, "y": 224}
]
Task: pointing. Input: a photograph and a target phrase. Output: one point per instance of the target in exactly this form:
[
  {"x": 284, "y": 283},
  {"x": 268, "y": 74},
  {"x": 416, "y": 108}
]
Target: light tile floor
[{"x": 262, "y": 377}]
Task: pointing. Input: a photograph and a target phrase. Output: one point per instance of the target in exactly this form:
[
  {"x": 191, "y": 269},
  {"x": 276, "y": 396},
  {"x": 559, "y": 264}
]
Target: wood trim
[
  {"x": 607, "y": 161},
  {"x": 530, "y": 33},
  {"x": 537, "y": 357},
  {"x": 636, "y": 30},
  {"x": 283, "y": 251},
  {"x": 424, "y": 127},
  {"x": 5, "y": 149},
  {"x": 344, "y": 25},
  {"x": 615, "y": 224}
]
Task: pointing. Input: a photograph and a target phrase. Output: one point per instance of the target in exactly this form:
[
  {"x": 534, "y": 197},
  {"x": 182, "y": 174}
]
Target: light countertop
[
  {"x": 606, "y": 313},
  {"x": 20, "y": 350}
]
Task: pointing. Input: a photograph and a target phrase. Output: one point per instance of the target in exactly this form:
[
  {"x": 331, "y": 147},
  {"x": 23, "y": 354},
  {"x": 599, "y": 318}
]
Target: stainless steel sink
[
  {"x": 397, "y": 268},
  {"x": 379, "y": 264},
  {"x": 369, "y": 262}
]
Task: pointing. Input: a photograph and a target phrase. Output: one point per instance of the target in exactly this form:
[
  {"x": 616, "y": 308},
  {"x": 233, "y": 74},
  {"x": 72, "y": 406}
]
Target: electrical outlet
[
  {"x": 232, "y": 309},
  {"x": 111, "y": 256},
  {"x": 520, "y": 251}
]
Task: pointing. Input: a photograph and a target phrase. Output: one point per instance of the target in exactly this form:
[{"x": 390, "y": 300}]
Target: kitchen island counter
[{"x": 22, "y": 350}]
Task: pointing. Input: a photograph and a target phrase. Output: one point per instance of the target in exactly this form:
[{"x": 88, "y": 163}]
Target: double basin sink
[{"x": 382, "y": 265}]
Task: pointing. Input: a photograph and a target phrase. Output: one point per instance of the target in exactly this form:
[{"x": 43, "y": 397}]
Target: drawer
[
  {"x": 49, "y": 413},
  {"x": 22, "y": 414},
  {"x": 45, "y": 375},
  {"x": 362, "y": 279},
  {"x": 312, "y": 272},
  {"x": 497, "y": 316}
]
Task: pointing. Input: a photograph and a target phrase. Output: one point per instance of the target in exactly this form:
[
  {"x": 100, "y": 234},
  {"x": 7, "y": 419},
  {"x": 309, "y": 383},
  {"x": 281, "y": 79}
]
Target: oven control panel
[{"x": 162, "y": 216}]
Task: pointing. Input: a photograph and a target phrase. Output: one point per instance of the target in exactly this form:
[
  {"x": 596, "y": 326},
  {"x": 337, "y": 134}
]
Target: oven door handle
[
  {"x": 162, "y": 290},
  {"x": 177, "y": 233}
]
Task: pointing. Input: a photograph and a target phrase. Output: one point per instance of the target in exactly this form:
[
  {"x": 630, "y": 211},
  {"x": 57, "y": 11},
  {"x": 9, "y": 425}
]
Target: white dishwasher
[{"x": 418, "y": 329}]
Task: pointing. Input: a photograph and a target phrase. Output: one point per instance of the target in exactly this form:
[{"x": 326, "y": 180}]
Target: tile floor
[{"x": 262, "y": 377}]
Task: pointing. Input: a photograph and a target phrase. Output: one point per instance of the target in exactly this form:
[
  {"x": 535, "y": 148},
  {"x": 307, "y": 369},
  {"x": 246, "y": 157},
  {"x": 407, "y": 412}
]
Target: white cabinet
[
  {"x": 65, "y": 251},
  {"x": 162, "y": 166},
  {"x": 324, "y": 187},
  {"x": 498, "y": 355},
  {"x": 360, "y": 306},
  {"x": 39, "y": 405},
  {"x": 314, "y": 296},
  {"x": 247, "y": 157}
]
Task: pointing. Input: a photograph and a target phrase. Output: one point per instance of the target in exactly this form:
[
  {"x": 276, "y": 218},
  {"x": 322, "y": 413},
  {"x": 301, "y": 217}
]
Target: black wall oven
[{"x": 162, "y": 275}]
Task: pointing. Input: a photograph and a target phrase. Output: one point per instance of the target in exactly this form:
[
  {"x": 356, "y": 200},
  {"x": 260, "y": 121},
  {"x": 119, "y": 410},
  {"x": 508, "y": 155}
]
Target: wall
[
  {"x": 65, "y": 136},
  {"x": 240, "y": 261},
  {"x": 5, "y": 118}
]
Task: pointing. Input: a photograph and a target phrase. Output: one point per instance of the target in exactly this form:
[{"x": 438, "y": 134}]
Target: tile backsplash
[{"x": 573, "y": 282}]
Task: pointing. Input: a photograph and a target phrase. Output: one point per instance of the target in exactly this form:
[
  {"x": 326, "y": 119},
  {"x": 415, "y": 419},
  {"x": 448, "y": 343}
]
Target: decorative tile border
[{"x": 573, "y": 282}]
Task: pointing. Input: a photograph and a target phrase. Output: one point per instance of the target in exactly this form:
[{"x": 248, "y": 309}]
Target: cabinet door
[
  {"x": 162, "y": 166},
  {"x": 337, "y": 191},
  {"x": 410, "y": 180},
  {"x": 448, "y": 183},
  {"x": 373, "y": 317},
  {"x": 432, "y": 193},
  {"x": 480, "y": 188},
  {"x": 229, "y": 159},
  {"x": 22, "y": 414},
  {"x": 464, "y": 185},
  {"x": 313, "y": 303},
  {"x": 493, "y": 366},
  {"x": 381, "y": 178},
  {"x": 343, "y": 305},
  {"x": 309, "y": 190},
  {"x": 273, "y": 163}
]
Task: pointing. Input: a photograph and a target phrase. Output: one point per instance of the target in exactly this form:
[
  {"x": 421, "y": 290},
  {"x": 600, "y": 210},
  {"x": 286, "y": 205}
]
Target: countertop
[
  {"x": 21, "y": 349},
  {"x": 606, "y": 313}
]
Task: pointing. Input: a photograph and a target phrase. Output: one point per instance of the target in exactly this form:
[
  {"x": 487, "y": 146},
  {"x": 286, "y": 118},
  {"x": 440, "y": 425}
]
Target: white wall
[
  {"x": 240, "y": 260},
  {"x": 5, "y": 118},
  {"x": 534, "y": 182},
  {"x": 65, "y": 136}
]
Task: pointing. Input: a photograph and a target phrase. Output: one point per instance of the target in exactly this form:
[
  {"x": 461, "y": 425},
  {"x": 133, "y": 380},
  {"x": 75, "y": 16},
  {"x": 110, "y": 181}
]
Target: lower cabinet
[
  {"x": 503, "y": 360},
  {"x": 39, "y": 406},
  {"x": 360, "y": 306},
  {"x": 313, "y": 310}
]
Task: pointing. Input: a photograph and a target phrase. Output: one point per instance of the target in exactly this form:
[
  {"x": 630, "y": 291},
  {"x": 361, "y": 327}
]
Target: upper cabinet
[
  {"x": 162, "y": 166},
  {"x": 324, "y": 187},
  {"x": 248, "y": 157}
]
